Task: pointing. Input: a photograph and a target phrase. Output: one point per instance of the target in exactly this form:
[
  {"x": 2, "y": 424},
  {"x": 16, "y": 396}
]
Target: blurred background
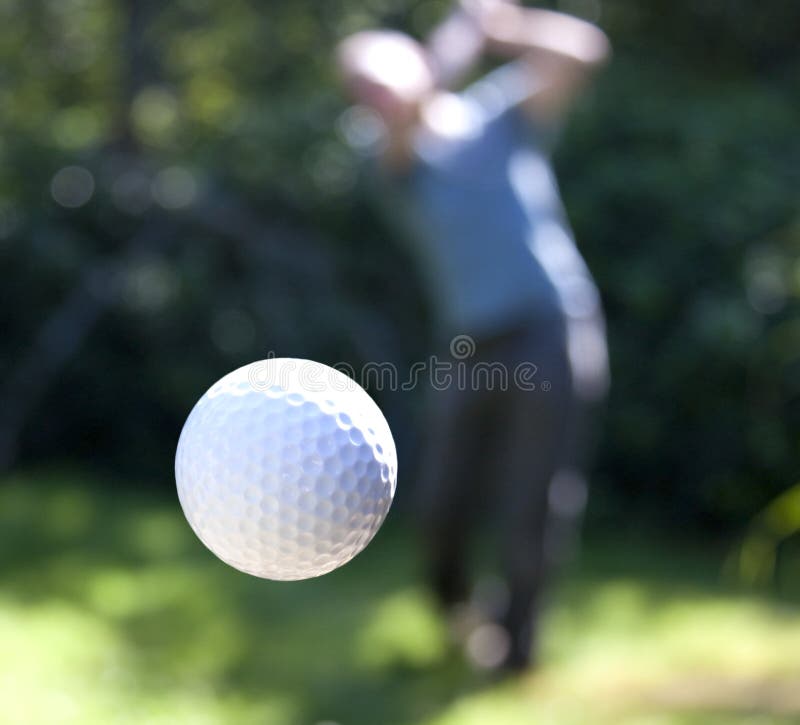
[{"x": 180, "y": 195}]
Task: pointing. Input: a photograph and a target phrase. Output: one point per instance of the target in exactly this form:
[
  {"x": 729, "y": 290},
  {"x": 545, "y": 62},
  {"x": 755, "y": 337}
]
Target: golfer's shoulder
[
  {"x": 500, "y": 90},
  {"x": 458, "y": 128}
]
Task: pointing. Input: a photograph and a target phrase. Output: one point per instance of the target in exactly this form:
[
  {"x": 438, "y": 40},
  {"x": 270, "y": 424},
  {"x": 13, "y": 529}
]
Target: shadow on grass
[{"x": 113, "y": 611}]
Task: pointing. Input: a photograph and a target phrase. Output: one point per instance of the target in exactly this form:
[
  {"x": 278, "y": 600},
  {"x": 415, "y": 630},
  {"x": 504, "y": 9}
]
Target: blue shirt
[{"x": 483, "y": 213}]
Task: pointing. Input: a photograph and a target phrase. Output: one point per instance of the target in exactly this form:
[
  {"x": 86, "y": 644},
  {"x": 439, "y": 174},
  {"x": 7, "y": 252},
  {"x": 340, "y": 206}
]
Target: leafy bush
[{"x": 221, "y": 219}]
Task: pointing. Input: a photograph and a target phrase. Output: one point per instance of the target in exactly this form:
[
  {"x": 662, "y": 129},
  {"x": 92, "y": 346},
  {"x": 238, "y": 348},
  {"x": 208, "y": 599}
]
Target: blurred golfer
[{"x": 469, "y": 177}]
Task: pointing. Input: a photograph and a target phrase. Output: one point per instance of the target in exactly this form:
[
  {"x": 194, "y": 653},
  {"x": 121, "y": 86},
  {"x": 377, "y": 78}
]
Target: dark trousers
[{"x": 514, "y": 451}]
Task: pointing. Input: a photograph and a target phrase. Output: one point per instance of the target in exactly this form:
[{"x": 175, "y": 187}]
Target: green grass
[{"x": 111, "y": 611}]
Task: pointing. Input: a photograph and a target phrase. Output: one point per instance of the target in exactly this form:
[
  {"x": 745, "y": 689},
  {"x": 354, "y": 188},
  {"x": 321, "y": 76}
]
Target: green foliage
[
  {"x": 756, "y": 561},
  {"x": 679, "y": 172},
  {"x": 681, "y": 193}
]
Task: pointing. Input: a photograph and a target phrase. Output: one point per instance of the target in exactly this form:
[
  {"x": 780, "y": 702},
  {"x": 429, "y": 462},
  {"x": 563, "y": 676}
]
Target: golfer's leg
[
  {"x": 537, "y": 423},
  {"x": 447, "y": 496}
]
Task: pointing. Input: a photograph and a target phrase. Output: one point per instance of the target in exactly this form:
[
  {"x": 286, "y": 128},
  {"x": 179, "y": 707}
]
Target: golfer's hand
[{"x": 481, "y": 10}]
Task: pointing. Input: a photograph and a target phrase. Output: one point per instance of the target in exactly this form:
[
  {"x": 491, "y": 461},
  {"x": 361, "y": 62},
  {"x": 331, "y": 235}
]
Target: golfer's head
[{"x": 387, "y": 71}]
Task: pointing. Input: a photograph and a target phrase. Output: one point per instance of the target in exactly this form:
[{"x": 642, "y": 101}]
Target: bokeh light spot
[
  {"x": 232, "y": 331},
  {"x": 175, "y": 188},
  {"x": 72, "y": 186},
  {"x": 150, "y": 285},
  {"x": 76, "y": 128},
  {"x": 154, "y": 114}
]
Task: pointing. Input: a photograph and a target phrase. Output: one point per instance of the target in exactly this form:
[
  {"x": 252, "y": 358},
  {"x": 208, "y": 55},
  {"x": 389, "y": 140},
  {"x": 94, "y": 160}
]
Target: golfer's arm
[
  {"x": 454, "y": 46},
  {"x": 561, "y": 51}
]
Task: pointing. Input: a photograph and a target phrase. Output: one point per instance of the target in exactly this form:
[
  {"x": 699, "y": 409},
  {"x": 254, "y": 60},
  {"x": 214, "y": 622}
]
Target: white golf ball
[{"x": 286, "y": 469}]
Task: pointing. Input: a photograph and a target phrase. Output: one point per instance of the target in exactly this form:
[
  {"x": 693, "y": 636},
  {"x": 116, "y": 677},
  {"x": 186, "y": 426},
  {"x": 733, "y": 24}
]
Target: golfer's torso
[{"x": 488, "y": 225}]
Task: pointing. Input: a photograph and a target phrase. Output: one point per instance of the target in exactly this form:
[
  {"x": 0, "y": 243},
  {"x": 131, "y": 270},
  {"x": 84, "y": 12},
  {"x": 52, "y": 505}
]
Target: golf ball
[{"x": 286, "y": 468}]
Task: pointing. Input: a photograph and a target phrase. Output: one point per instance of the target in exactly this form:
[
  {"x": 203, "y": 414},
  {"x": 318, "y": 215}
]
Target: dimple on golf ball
[{"x": 286, "y": 468}]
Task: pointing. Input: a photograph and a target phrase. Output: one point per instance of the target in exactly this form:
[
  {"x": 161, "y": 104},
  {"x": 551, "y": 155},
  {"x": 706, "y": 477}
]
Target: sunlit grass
[{"x": 111, "y": 611}]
